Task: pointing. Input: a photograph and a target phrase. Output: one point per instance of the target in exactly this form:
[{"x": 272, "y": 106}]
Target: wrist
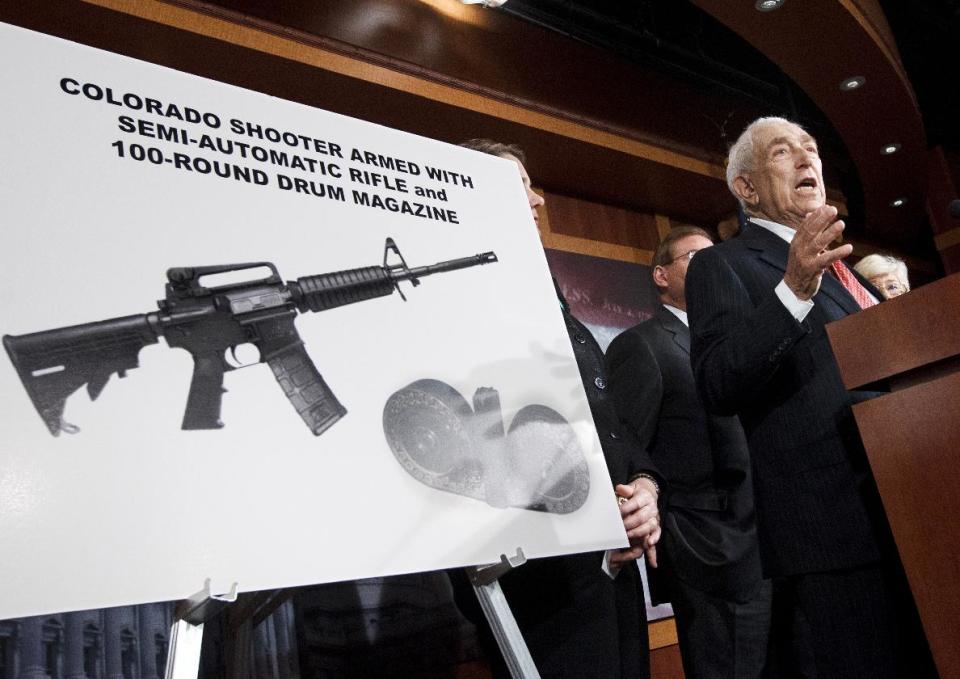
[{"x": 643, "y": 476}]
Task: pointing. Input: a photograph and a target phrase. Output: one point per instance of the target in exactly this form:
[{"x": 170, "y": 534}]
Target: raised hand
[{"x": 809, "y": 256}]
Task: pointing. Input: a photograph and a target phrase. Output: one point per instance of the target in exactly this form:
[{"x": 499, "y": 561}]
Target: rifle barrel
[{"x": 440, "y": 267}]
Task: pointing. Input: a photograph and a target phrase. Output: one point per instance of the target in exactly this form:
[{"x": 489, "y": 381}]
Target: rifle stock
[{"x": 55, "y": 363}]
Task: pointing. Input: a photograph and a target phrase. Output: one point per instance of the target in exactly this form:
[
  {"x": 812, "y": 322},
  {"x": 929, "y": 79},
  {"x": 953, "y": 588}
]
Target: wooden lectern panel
[
  {"x": 912, "y": 439},
  {"x": 908, "y": 332}
]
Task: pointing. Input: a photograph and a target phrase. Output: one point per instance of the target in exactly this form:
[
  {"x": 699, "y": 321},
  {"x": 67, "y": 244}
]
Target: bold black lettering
[
  {"x": 132, "y": 101},
  {"x": 91, "y": 91},
  {"x": 181, "y": 161},
  {"x": 145, "y": 128},
  {"x": 173, "y": 112},
  {"x": 69, "y": 81},
  {"x": 111, "y": 100},
  {"x": 126, "y": 124}
]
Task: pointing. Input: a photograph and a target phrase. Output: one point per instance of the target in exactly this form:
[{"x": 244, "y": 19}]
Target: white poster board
[{"x": 110, "y": 175}]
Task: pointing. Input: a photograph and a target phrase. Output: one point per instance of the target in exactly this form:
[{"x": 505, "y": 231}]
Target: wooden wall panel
[
  {"x": 494, "y": 50},
  {"x": 586, "y": 219}
]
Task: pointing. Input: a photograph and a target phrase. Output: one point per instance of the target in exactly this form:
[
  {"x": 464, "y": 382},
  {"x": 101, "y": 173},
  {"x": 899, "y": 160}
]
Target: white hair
[
  {"x": 875, "y": 265},
  {"x": 742, "y": 156}
]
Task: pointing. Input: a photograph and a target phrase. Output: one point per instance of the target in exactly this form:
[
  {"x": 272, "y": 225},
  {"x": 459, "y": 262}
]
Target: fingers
[
  {"x": 653, "y": 538},
  {"x": 817, "y": 221},
  {"x": 635, "y": 516},
  {"x": 829, "y": 234},
  {"x": 652, "y": 557},
  {"x": 625, "y": 555},
  {"x": 809, "y": 256},
  {"x": 642, "y": 530},
  {"x": 633, "y": 500},
  {"x": 647, "y": 546},
  {"x": 647, "y": 532},
  {"x": 827, "y": 258}
]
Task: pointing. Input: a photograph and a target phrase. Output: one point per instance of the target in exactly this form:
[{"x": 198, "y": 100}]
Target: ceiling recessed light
[
  {"x": 768, "y": 5},
  {"x": 889, "y": 149},
  {"x": 897, "y": 202},
  {"x": 850, "y": 84}
]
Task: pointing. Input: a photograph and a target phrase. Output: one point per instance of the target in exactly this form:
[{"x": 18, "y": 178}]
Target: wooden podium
[{"x": 912, "y": 439}]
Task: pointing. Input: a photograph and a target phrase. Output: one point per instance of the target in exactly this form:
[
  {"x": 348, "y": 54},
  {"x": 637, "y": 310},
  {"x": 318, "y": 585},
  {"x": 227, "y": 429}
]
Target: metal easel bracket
[
  {"x": 203, "y": 605},
  {"x": 484, "y": 575}
]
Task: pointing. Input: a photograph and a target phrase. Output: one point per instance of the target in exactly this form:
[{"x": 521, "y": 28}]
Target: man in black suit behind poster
[
  {"x": 758, "y": 307},
  {"x": 709, "y": 561},
  {"x": 582, "y": 615}
]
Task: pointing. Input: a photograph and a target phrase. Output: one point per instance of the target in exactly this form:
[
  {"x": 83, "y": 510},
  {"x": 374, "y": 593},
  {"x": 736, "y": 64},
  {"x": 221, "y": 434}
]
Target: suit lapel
[
  {"x": 674, "y": 326},
  {"x": 769, "y": 247},
  {"x": 833, "y": 288},
  {"x": 773, "y": 250},
  {"x": 871, "y": 288}
]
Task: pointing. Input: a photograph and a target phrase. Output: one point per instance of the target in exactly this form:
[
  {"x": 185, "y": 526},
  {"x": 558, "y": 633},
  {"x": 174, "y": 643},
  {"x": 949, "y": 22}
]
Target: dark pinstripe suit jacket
[{"x": 817, "y": 506}]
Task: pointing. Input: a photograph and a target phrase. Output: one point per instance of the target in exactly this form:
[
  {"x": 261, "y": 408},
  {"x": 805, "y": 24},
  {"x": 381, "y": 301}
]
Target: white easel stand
[
  {"x": 485, "y": 581},
  {"x": 186, "y": 633}
]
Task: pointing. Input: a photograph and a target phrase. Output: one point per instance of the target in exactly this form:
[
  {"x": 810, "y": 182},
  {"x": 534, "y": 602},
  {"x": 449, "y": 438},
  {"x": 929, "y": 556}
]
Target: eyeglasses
[{"x": 688, "y": 255}]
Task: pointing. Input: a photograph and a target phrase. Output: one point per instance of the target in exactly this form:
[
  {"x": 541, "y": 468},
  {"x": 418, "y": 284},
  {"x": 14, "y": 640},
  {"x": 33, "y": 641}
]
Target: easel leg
[
  {"x": 183, "y": 654},
  {"x": 186, "y": 633},
  {"x": 514, "y": 649}
]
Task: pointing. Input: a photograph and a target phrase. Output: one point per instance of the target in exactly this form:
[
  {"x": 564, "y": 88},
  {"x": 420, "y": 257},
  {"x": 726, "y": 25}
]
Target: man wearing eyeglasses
[{"x": 708, "y": 555}]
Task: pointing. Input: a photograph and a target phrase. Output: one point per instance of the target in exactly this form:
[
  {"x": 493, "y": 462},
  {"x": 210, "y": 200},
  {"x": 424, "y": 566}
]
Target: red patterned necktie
[{"x": 853, "y": 286}]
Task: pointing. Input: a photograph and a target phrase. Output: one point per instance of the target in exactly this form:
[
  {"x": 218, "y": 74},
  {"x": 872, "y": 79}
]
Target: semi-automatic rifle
[{"x": 209, "y": 322}]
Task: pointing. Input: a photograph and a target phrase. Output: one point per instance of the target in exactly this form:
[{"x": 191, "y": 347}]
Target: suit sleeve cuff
[{"x": 798, "y": 308}]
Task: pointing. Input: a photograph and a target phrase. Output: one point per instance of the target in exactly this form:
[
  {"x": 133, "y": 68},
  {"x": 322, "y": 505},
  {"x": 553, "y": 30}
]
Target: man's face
[
  {"x": 787, "y": 181},
  {"x": 534, "y": 199},
  {"x": 671, "y": 278}
]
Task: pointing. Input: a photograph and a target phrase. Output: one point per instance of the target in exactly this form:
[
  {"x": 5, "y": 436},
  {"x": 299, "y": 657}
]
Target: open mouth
[{"x": 807, "y": 186}]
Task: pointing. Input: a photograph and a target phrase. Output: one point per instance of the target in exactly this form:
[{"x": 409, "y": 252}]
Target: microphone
[{"x": 954, "y": 208}]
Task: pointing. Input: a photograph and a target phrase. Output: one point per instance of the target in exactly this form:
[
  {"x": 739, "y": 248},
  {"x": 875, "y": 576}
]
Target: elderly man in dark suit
[
  {"x": 709, "y": 561},
  {"x": 758, "y": 305}
]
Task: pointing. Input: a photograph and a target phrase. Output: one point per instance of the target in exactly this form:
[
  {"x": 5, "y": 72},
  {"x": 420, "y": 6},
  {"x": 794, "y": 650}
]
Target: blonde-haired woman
[{"x": 887, "y": 274}]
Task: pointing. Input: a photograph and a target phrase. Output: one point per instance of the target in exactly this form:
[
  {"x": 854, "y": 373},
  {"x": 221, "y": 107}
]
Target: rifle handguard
[{"x": 329, "y": 290}]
